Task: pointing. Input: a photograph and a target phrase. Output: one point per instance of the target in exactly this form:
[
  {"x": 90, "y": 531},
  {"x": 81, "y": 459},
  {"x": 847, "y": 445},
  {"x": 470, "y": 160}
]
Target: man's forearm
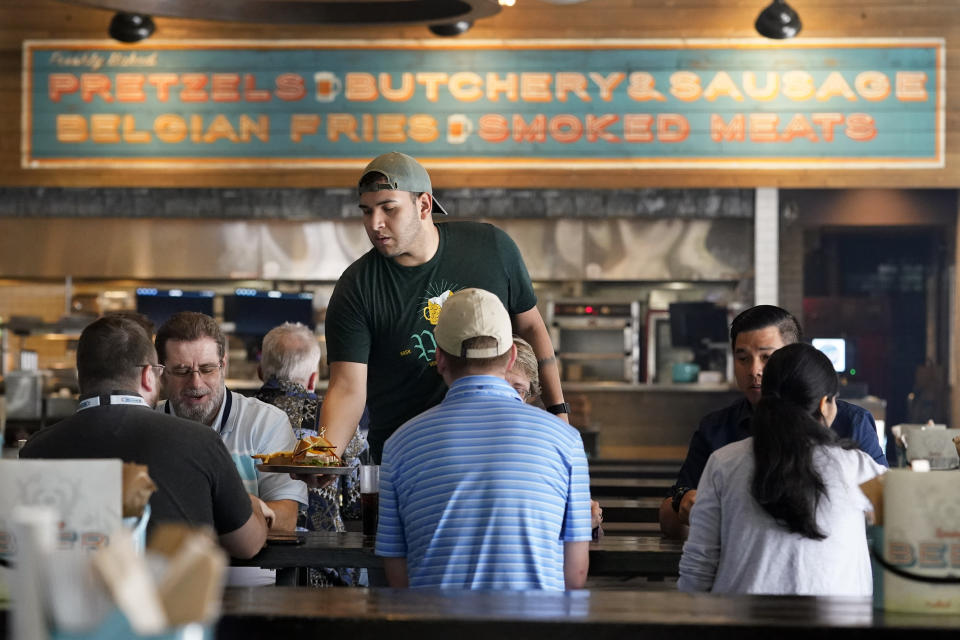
[
  {"x": 396, "y": 572},
  {"x": 669, "y": 520},
  {"x": 576, "y": 564},
  {"x": 343, "y": 404},
  {"x": 531, "y": 328},
  {"x": 286, "y": 514},
  {"x": 247, "y": 540},
  {"x": 551, "y": 392},
  {"x": 339, "y": 425}
]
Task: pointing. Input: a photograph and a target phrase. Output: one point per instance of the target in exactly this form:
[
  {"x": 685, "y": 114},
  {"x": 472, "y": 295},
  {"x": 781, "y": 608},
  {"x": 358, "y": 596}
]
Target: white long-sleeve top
[{"x": 736, "y": 547}]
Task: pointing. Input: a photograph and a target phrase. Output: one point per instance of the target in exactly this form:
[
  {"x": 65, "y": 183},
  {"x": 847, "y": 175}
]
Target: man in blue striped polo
[{"x": 483, "y": 491}]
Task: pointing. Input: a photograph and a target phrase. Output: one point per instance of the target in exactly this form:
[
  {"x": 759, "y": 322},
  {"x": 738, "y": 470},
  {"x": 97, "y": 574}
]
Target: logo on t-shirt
[
  {"x": 431, "y": 312},
  {"x": 422, "y": 344}
]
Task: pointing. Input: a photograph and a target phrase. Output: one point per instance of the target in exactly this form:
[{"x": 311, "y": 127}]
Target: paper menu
[{"x": 87, "y": 495}]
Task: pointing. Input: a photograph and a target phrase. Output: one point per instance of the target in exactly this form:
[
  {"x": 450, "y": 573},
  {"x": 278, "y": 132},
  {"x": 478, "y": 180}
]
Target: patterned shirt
[
  {"x": 338, "y": 500},
  {"x": 482, "y": 491}
]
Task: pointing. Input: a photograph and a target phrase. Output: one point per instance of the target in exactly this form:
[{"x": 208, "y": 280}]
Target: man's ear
[
  {"x": 441, "y": 362},
  {"x": 513, "y": 357},
  {"x": 312, "y": 381},
  {"x": 260, "y": 373},
  {"x": 149, "y": 381},
  {"x": 425, "y": 205}
]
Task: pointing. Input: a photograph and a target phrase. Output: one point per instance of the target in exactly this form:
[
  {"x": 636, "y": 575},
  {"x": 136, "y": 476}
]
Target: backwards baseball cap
[
  {"x": 403, "y": 174},
  {"x": 471, "y": 313}
]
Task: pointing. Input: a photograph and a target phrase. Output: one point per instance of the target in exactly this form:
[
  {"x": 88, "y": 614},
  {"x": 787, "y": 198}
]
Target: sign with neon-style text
[{"x": 524, "y": 104}]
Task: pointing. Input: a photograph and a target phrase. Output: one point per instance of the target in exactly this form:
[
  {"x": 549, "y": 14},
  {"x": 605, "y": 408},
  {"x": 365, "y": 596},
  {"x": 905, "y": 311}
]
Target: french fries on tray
[{"x": 311, "y": 451}]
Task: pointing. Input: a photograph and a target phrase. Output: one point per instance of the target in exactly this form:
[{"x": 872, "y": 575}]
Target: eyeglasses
[
  {"x": 523, "y": 391},
  {"x": 204, "y": 370},
  {"x": 157, "y": 368}
]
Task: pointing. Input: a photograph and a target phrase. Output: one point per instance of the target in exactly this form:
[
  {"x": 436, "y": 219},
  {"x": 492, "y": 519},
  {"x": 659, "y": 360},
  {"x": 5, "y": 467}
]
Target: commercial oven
[{"x": 596, "y": 341}]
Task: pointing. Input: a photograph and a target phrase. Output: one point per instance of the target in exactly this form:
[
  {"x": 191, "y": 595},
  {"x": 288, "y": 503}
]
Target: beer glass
[{"x": 370, "y": 497}]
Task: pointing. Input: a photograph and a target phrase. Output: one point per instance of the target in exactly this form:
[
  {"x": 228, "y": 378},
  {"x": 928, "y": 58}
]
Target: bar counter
[
  {"x": 610, "y": 556},
  {"x": 300, "y": 612}
]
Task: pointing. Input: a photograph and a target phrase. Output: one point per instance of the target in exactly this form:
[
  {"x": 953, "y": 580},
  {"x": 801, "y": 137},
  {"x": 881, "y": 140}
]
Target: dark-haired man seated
[
  {"x": 196, "y": 480},
  {"x": 754, "y": 335}
]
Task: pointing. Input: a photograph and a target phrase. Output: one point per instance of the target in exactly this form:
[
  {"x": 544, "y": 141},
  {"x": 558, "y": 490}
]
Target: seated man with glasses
[
  {"x": 196, "y": 480},
  {"x": 193, "y": 349}
]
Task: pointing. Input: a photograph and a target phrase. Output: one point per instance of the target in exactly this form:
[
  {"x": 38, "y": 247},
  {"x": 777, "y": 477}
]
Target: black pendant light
[
  {"x": 778, "y": 21},
  {"x": 326, "y": 12},
  {"x": 131, "y": 27},
  {"x": 449, "y": 29}
]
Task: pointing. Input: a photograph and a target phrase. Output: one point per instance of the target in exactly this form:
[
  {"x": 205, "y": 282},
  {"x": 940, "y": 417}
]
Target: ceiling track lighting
[
  {"x": 131, "y": 27},
  {"x": 778, "y": 21}
]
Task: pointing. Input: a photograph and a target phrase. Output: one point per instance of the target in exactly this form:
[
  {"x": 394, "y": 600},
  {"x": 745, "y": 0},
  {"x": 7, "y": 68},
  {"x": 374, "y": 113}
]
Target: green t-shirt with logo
[{"x": 383, "y": 314}]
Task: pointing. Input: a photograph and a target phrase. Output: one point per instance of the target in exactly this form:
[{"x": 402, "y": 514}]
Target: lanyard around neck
[{"x": 109, "y": 399}]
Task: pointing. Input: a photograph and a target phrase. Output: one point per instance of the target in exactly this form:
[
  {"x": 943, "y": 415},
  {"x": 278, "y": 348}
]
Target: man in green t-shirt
[{"x": 380, "y": 321}]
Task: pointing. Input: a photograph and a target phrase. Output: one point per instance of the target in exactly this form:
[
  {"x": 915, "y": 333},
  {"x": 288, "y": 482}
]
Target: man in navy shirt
[{"x": 754, "y": 335}]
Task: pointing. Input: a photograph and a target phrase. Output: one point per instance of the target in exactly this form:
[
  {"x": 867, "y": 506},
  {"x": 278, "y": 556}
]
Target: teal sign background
[{"x": 579, "y": 104}]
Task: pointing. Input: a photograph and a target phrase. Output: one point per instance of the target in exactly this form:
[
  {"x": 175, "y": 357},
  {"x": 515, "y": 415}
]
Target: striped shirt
[{"x": 481, "y": 492}]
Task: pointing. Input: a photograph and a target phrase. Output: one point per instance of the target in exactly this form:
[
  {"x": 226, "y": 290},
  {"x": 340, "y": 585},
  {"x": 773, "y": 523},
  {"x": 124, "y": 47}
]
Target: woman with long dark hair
[{"x": 782, "y": 512}]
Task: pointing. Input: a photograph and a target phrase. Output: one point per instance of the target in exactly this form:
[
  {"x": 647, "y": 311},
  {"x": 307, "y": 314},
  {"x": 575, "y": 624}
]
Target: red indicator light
[{"x": 588, "y": 309}]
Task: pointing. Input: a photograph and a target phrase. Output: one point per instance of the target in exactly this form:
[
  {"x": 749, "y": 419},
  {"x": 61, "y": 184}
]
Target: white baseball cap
[{"x": 472, "y": 313}]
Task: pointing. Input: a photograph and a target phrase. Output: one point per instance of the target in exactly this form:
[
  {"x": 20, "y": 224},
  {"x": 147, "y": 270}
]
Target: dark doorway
[{"x": 881, "y": 289}]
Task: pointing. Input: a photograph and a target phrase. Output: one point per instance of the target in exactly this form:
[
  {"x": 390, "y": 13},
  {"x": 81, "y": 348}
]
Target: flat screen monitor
[
  {"x": 696, "y": 324},
  {"x": 160, "y": 304},
  {"x": 835, "y": 349},
  {"x": 254, "y": 313}
]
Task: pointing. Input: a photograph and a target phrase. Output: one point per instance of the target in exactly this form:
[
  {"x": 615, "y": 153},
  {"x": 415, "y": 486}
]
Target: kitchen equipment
[
  {"x": 685, "y": 372},
  {"x": 596, "y": 341},
  {"x": 24, "y": 392}
]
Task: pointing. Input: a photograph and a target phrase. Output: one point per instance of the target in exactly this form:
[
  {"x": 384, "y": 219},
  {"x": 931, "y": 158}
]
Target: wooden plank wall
[{"x": 33, "y": 19}]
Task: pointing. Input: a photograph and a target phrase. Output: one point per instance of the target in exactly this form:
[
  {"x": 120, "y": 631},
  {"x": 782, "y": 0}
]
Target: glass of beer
[{"x": 370, "y": 497}]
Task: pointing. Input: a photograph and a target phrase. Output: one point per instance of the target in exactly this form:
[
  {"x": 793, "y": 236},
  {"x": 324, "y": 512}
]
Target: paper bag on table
[
  {"x": 192, "y": 585},
  {"x": 130, "y": 584},
  {"x": 920, "y": 539}
]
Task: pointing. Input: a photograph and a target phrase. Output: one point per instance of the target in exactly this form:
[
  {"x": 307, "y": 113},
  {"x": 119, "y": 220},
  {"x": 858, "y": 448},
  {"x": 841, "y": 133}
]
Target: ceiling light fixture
[
  {"x": 131, "y": 27},
  {"x": 450, "y": 29},
  {"x": 778, "y": 21},
  {"x": 325, "y": 12}
]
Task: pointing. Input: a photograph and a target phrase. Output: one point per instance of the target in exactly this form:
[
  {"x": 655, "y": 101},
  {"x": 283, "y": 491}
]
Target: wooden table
[
  {"x": 630, "y": 487},
  {"x": 251, "y": 613},
  {"x": 610, "y": 556},
  {"x": 667, "y": 470},
  {"x": 631, "y": 528},
  {"x": 630, "y": 509},
  {"x": 301, "y": 612}
]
